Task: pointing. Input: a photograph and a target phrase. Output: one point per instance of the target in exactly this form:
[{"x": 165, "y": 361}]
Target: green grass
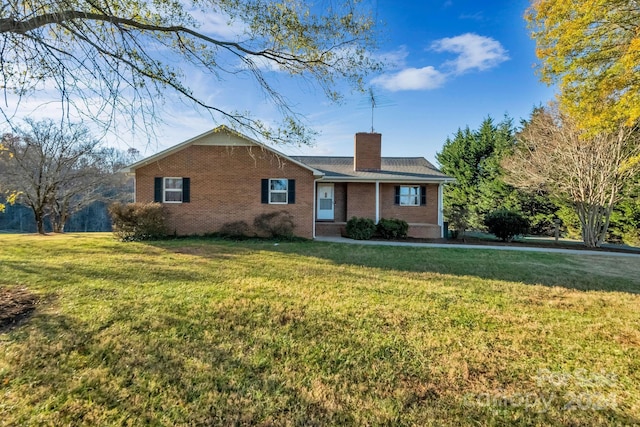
[{"x": 207, "y": 332}]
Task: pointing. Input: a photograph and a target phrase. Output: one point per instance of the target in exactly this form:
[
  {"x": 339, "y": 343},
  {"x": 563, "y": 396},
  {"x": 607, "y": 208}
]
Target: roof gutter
[{"x": 389, "y": 180}]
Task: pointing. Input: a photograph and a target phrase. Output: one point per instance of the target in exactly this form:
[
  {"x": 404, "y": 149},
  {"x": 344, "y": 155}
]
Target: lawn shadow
[{"x": 577, "y": 272}]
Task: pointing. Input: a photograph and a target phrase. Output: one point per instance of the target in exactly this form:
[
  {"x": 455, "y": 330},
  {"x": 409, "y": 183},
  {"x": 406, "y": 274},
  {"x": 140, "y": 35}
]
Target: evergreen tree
[{"x": 473, "y": 159}]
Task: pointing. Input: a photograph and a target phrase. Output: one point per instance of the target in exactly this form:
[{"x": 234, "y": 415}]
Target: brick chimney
[{"x": 367, "y": 152}]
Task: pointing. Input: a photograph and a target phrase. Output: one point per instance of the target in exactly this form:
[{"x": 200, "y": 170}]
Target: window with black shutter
[
  {"x": 172, "y": 190},
  {"x": 278, "y": 191},
  {"x": 408, "y": 195}
]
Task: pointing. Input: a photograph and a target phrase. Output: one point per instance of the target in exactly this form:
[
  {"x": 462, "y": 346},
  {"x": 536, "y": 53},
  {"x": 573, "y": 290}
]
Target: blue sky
[
  {"x": 482, "y": 61},
  {"x": 452, "y": 63}
]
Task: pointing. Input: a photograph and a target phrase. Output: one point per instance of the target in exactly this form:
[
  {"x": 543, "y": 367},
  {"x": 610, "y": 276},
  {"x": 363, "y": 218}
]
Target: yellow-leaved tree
[
  {"x": 9, "y": 196},
  {"x": 591, "y": 49}
]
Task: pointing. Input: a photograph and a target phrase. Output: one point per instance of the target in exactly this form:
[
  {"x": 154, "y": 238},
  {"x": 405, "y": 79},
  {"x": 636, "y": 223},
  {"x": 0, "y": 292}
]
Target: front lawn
[{"x": 209, "y": 332}]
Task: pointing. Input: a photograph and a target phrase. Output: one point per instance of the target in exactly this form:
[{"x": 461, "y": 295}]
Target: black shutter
[
  {"x": 423, "y": 195},
  {"x": 157, "y": 190},
  {"x": 265, "y": 191},
  {"x": 397, "y": 195},
  {"x": 292, "y": 191},
  {"x": 186, "y": 190}
]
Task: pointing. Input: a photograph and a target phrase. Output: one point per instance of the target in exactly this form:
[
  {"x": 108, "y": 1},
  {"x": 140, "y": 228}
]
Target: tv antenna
[{"x": 374, "y": 101}]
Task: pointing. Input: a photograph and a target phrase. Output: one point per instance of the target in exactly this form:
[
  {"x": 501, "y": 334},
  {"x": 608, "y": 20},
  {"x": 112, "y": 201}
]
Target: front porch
[
  {"x": 336, "y": 202},
  {"x": 332, "y": 229}
]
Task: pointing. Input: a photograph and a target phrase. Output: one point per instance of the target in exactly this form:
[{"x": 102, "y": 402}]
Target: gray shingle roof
[{"x": 393, "y": 169}]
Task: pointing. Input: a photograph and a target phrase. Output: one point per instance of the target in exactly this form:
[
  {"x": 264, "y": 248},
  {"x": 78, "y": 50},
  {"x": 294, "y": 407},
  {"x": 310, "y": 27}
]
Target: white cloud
[
  {"x": 218, "y": 24},
  {"x": 395, "y": 59},
  {"x": 475, "y": 52},
  {"x": 263, "y": 64},
  {"x": 412, "y": 79}
]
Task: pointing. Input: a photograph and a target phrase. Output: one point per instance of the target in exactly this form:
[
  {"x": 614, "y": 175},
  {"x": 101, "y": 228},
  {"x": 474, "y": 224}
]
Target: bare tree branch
[
  {"x": 108, "y": 59},
  {"x": 586, "y": 171}
]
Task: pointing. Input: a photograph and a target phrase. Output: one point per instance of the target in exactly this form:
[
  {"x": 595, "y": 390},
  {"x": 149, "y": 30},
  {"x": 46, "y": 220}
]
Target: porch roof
[{"x": 396, "y": 169}]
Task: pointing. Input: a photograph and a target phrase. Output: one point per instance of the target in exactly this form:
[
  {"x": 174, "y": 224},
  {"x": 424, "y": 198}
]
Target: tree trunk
[
  {"x": 594, "y": 221},
  {"x": 39, "y": 216},
  {"x": 586, "y": 217},
  {"x": 57, "y": 224}
]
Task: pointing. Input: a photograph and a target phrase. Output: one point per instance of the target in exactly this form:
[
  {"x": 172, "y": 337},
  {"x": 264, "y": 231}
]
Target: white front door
[{"x": 325, "y": 202}]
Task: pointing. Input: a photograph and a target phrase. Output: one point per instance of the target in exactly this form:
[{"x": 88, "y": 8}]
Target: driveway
[{"x": 461, "y": 246}]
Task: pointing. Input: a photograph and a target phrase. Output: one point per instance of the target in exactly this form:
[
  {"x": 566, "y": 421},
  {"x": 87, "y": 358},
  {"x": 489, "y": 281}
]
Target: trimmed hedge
[
  {"x": 360, "y": 228},
  {"x": 234, "y": 230},
  {"x": 138, "y": 221},
  {"x": 393, "y": 228},
  {"x": 506, "y": 224},
  {"x": 275, "y": 224}
]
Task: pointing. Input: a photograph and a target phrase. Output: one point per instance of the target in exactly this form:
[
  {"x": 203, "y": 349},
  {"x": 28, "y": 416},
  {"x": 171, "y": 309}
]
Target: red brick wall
[
  {"x": 361, "y": 200},
  {"x": 424, "y": 231},
  {"x": 368, "y": 149},
  {"x": 226, "y": 187},
  {"x": 412, "y": 214}
]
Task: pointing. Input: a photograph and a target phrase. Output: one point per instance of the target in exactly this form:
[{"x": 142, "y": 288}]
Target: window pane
[
  {"x": 173, "y": 196},
  {"x": 409, "y": 195},
  {"x": 279, "y": 184},
  {"x": 409, "y": 191},
  {"x": 326, "y": 204},
  {"x": 278, "y": 197},
  {"x": 173, "y": 183}
]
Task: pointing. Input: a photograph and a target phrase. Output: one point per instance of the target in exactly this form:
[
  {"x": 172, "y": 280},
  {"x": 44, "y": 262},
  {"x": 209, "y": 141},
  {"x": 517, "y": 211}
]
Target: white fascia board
[
  {"x": 190, "y": 141},
  {"x": 388, "y": 180}
]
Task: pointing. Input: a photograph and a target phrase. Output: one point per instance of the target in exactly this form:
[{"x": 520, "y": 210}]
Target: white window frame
[
  {"x": 172, "y": 190},
  {"x": 285, "y": 191},
  {"x": 406, "y": 199}
]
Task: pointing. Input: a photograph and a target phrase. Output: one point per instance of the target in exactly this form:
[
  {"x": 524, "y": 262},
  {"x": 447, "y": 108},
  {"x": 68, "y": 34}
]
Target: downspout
[
  {"x": 440, "y": 209},
  {"x": 377, "y": 202},
  {"x": 313, "y": 215},
  {"x": 135, "y": 192}
]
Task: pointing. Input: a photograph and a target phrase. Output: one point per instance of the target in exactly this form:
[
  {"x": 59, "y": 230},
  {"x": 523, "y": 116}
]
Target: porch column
[
  {"x": 440, "y": 207},
  {"x": 377, "y": 202}
]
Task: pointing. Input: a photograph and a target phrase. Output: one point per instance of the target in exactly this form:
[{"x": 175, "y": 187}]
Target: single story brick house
[{"x": 223, "y": 176}]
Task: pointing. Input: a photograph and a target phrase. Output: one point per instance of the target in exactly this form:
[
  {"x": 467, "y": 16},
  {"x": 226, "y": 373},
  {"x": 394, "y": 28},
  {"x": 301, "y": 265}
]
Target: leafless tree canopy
[
  {"x": 588, "y": 172},
  {"x": 56, "y": 171},
  {"x": 108, "y": 58}
]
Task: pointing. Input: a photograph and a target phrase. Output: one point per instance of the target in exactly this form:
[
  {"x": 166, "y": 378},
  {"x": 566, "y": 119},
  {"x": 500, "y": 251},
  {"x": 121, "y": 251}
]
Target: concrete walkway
[{"x": 457, "y": 246}]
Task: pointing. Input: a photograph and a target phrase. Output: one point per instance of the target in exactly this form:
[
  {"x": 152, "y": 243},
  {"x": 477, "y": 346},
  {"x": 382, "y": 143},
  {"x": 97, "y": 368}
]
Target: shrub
[
  {"x": 138, "y": 221},
  {"x": 505, "y": 224},
  {"x": 393, "y": 228},
  {"x": 458, "y": 218},
  {"x": 275, "y": 224},
  {"x": 360, "y": 228},
  {"x": 234, "y": 230}
]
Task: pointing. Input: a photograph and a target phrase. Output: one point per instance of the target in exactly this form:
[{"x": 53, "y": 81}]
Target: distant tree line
[{"x": 19, "y": 218}]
